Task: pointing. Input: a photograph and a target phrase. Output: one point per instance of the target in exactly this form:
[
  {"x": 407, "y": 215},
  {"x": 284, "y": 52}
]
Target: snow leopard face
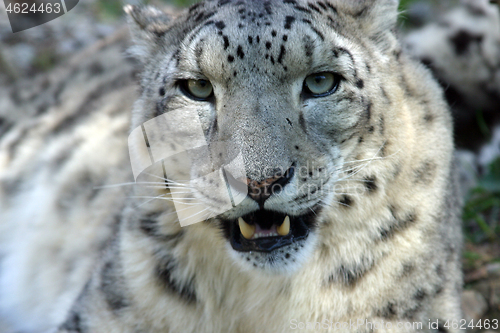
[{"x": 281, "y": 96}]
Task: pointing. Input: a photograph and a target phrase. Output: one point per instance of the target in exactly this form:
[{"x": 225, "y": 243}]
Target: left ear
[{"x": 147, "y": 25}]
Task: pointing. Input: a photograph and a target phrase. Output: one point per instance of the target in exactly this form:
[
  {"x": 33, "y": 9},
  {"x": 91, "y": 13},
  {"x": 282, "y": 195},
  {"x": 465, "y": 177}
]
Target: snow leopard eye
[
  {"x": 320, "y": 84},
  {"x": 200, "y": 90}
]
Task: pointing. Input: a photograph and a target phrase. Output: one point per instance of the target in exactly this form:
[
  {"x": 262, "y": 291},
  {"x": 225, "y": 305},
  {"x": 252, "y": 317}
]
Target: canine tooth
[
  {"x": 284, "y": 228},
  {"x": 246, "y": 229}
]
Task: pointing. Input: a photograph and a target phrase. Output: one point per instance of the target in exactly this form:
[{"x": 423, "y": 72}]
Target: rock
[
  {"x": 473, "y": 304},
  {"x": 493, "y": 269}
]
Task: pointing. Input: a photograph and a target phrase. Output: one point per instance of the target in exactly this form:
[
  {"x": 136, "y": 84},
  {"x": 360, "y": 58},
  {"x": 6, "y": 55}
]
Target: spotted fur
[{"x": 374, "y": 179}]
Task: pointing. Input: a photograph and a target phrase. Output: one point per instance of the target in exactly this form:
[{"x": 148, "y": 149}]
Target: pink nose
[{"x": 261, "y": 191}]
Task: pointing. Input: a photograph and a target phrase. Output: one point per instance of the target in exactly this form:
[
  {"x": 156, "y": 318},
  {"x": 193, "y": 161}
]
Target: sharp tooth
[
  {"x": 284, "y": 228},
  {"x": 246, "y": 229}
]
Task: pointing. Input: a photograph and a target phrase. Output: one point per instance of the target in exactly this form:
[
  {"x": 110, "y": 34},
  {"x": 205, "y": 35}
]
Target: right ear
[{"x": 147, "y": 25}]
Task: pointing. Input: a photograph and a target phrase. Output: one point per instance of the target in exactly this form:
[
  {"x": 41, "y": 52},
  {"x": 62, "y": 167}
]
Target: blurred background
[{"x": 35, "y": 52}]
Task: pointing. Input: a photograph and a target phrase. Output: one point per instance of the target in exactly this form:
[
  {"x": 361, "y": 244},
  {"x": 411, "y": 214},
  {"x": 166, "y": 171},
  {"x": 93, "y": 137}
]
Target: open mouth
[{"x": 265, "y": 231}]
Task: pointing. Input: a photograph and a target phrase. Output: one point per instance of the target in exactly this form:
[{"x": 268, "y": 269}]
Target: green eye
[
  {"x": 320, "y": 84},
  {"x": 200, "y": 90}
]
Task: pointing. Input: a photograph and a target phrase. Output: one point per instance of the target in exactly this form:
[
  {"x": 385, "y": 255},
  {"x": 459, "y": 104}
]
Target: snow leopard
[{"x": 312, "y": 154}]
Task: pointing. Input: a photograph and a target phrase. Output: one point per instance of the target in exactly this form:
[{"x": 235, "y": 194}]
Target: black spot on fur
[
  {"x": 302, "y": 9},
  {"x": 194, "y": 7},
  {"x": 370, "y": 184},
  {"x": 397, "y": 54},
  {"x": 429, "y": 117},
  {"x": 346, "y": 201},
  {"x": 302, "y": 122},
  {"x": 381, "y": 124},
  {"x": 308, "y": 47},
  {"x": 268, "y": 45},
  {"x": 389, "y": 311},
  {"x": 412, "y": 311},
  {"x": 199, "y": 17},
  {"x": 282, "y": 54},
  {"x": 239, "y": 52},
  {"x": 383, "y": 150},
  {"x": 368, "y": 113},
  {"x": 440, "y": 272},
  {"x": 462, "y": 40},
  {"x": 350, "y": 274},
  {"x": 408, "y": 269},
  {"x": 360, "y": 84},
  {"x": 419, "y": 295},
  {"x": 40, "y": 109},
  {"x": 313, "y": 7},
  {"x": 226, "y": 42},
  {"x": 220, "y": 25},
  {"x": 250, "y": 40},
  {"x": 397, "y": 224},
  {"x": 73, "y": 324},
  {"x": 441, "y": 328},
  {"x": 439, "y": 289},
  {"x": 148, "y": 224},
  {"x": 322, "y": 5},
  {"x": 288, "y": 22},
  {"x": 332, "y": 8},
  {"x": 425, "y": 173},
  {"x": 64, "y": 155},
  {"x": 110, "y": 284},
  {"x": 273, "y": 33},
  {"x": 230, "y": 58},
  {"x": 161, "y": 91},
  {"x": 185, "y": 289},
  {"x": 285, "y": 38}
]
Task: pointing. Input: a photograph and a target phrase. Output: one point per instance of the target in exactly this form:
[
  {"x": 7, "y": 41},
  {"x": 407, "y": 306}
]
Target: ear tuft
[{"x": 147, "y": 25}]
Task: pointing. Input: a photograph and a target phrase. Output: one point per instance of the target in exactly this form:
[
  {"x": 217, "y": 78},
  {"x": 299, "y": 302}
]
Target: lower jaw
[{"x": 300, "y": 226}]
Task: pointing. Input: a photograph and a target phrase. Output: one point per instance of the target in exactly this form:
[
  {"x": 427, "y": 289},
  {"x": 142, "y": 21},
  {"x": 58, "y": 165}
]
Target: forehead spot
[{"x": 288, "y": 22}]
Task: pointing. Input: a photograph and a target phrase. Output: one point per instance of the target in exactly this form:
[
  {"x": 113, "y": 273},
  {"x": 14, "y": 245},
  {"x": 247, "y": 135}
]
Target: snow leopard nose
[{"x": 260, "y": 191}]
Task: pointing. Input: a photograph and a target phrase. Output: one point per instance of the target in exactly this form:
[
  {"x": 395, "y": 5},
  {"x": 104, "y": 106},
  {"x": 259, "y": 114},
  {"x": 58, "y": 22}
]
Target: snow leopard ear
[
  {"x": 377, "y": 18},
  {"x": 147, "y": 26},
  {"x": 377, "y": 15}
]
